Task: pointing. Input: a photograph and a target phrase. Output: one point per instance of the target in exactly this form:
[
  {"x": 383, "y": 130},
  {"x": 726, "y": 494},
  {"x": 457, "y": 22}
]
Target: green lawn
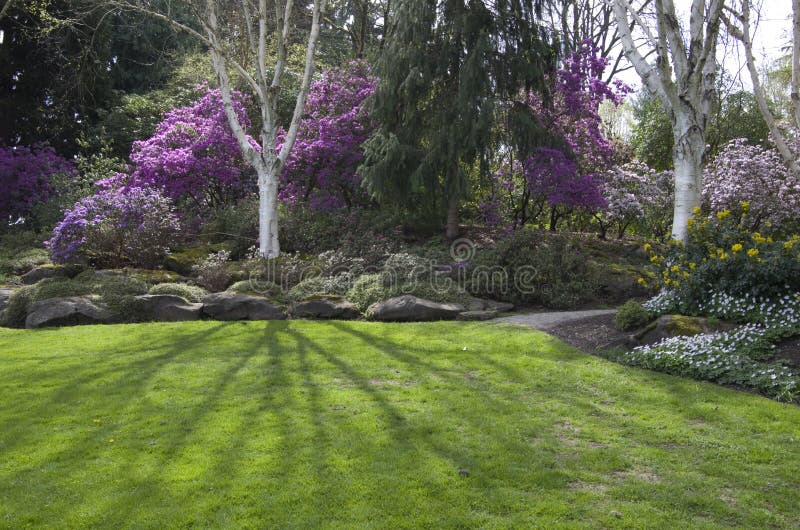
[{"x": 360, "y": 425}]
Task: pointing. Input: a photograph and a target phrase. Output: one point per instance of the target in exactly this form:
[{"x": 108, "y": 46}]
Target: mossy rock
[{"x": 667, "y": 326}]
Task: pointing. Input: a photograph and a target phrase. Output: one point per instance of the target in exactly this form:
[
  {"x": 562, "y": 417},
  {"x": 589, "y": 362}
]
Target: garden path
[{"x": 550, "y": 320}]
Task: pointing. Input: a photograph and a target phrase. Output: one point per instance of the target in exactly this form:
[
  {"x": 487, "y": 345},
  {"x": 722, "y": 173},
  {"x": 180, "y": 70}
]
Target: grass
[{"x": 305, "y": 424}]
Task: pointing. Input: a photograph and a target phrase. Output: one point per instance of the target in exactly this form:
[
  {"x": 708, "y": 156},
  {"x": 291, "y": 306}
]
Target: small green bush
[
  {"x": 371, "y": 288},
  {"x": 632, "y": 315},
  {"x": 318, "y": 286},
  {"x": 258, "y": 287},
  {"x": 190, "y": 293}
]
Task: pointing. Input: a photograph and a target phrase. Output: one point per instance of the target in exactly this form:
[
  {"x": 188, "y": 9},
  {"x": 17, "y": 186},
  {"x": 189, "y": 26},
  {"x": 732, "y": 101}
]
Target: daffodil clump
[
  {"x": 722, "y": 255},
  {"x": 736, "y": 357}
]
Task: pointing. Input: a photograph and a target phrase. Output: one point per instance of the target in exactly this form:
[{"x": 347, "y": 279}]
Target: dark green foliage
[
  {"x": 534, "y": 267},
  {"x": 632, "y": 315},
  {"x": 445, "y": 68},
  {"x": 65, "y": 64}
]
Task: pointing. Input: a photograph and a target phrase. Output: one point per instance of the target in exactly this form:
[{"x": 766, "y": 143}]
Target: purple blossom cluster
[
  {"x": 551, "y": 175},
  {"x": 126, "y": 225},
  {"x": 322, "y": 168},
  {"x": 753, "y": 174},
  {"x": 574, "y": 114},
  {"x": 193, "y": 155},
  {"x": 25, "y": 178}
]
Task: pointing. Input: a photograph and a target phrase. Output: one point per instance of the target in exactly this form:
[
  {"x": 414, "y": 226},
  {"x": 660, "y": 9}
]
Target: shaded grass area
[{"x": 308, "y": 424}]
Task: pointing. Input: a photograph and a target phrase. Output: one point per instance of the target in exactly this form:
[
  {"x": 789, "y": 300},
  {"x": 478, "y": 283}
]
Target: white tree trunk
[
  {"x": 688, "y": 159},
  {"x": 268, "y": 244}
]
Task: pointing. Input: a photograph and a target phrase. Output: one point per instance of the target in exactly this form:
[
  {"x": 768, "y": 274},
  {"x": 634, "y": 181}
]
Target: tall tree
[
  {"x": 443, "y": 69},
  {"x": 738, "y": 22},
  {"x": 683, "y": 76},
  {"x": 266, "y": 28}
]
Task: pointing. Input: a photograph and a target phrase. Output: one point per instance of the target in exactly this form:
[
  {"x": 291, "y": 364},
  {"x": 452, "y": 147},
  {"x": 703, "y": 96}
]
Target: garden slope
[{"x": 360, "y": 425}]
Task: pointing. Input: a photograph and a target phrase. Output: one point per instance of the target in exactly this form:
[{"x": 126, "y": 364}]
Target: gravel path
[{"x": 547, "y": 321}]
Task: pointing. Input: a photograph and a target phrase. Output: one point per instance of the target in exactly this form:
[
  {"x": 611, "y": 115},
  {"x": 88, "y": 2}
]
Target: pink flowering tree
[
  {"x": 636, "y": 195},
  {"x": 751, "y": 173},
  {"x": 27, "y": 179},
  {"x": 321, "y": 170},
  {"x": 193, "y": 157}
]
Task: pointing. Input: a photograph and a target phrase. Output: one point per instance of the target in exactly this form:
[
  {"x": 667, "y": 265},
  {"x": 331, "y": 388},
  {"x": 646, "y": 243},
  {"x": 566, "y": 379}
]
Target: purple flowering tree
[
  {"x": 193, "y": 157},
  {"x": 547, "y": 177},
  {"x": 26, "y": 178},
  {"x": 554, "y": 179},
  {"x": 751, "y": 173},
  {"x": 321, "y": 169},
  {"x": 116, "y": 226}
]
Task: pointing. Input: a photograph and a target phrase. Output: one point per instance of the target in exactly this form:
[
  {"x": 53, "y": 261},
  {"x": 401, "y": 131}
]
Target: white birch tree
[
  {"x": 682, "y": 76},
  {"x": 266, "y": 26},
  {"x": 738, "y": 23}
]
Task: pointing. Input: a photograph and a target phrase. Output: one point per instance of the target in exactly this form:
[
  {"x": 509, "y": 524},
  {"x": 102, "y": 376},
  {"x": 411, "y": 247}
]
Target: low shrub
[
  {"x": 532, "y": 267},
  {"x": 190, "y": 293},
  {"x": 115, "y": 290},
  {"x": 722, "y": 256},
  {"x": 371, "y": 288},
  {"x": 632, "y": 315},
  {"x": 264, "y": 288},
  {"x": 212, "y": 273},
  {"x": 115, "y": 228},
  {"x": 318, "y": 286}
]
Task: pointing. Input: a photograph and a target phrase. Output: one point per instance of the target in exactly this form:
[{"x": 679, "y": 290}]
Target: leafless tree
[{"x": 683, "y": 77}]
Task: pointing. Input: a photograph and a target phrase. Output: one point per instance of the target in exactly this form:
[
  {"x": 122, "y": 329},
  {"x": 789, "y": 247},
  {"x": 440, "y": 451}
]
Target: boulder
[
  {"x": 408, "y": 308},
  {"x": 477, "y": 315},
  {"x": 232, "y": 306},
  {"x": 326, "y": 308},
  {"x": 169, "y": 308},
  {"x": 37, "y": 274},
  {"x": 667, "y": 326},
  {"x": 69, "y": 311},
  {"x": 4, "y": 294}
]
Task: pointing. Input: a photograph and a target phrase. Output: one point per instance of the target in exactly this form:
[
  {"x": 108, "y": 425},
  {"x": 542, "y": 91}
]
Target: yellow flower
[
  {"x": 788, "y": 245},
  {"x": 640, "y": 280},
  {"x": 675, "y": 268},
  {"x": 736, "y": 248},
  {"x": 723, "y": 256},
  {"x": 723, "y": 214},
  {"x": 770, "y": 240},
  {"x": 758, "y": 238},
  {"x": 753, "y": 252},
  {"x": 686, "y": 275},
  {"x": 768, "y": 224},
  {"x": 696, "y": 210},
  {"x": 693, "y": 266},
  {"x": 745, "y": 205},
  {"x": 667, "y": 282},
  {"x": 654, "y": 259},
  {"x": 690, "y": 223},
  {"x": 647, "y": 246}
]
